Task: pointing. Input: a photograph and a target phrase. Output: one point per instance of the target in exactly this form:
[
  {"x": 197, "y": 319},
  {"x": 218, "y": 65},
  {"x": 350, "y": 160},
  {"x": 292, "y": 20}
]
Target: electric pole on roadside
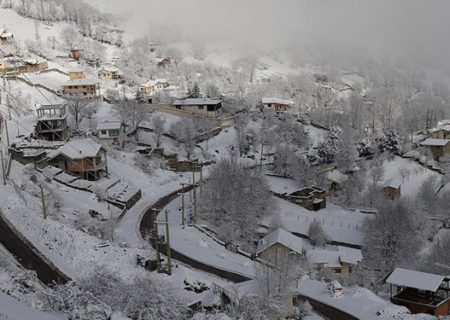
[
  {"x": 7, "y": 132},
  {"x": 3, "y": 168},
  {"x": 182, "y": 204},
  {"x": 165, "y": 241},
  {"x": 44, "y": 209}
]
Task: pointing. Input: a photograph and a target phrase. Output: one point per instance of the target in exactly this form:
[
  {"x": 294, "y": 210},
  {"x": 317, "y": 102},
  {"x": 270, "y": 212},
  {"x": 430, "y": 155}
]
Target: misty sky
[{"x": 417, "y": 27}]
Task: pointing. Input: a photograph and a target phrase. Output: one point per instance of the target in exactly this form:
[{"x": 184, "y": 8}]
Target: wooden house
[
  {"x": 438, "y": 147},
  {"x": 312, "y": 198},
  {"x": 6, "y": 37},
  {"x": 163, "y": 63},
  {"x": 336, "y": 180},
  {"x": 83, "y": 158},
  {"x": 279, "y": 243},
  {"x": 420, "y": 292},
  {"x": 339, "y": 260},
  {"x": 52, "y": 123},
  {"x": 278, "y": 105},
  {"x": 206, "y": 107},
  {"x": 80, "y": 86},
  {"x": 392, "y": 188}
]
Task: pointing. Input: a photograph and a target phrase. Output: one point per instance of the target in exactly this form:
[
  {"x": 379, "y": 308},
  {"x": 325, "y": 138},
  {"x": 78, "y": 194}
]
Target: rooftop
[
  {"x": 196, "y": 102},
  {"x": 415, "y": 279},
  {"x": 109, "y": 124},
  {"x": 78, "y": 149},
  {"x": 151, "y": 83},
  {"x": 283, "y": 237},
  {"x": 435, "y": 142},
  {"x": 83, "y": 81},
  {"x": 277, "y": 101}
]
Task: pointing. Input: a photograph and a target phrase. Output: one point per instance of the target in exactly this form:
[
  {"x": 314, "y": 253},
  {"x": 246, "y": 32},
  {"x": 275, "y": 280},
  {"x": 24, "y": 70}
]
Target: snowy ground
[
  {"x": 199, "y": 246},
  {"x": 341, "y": 225},
  {"x": 11, "y": 309},
  {"x": 418, "y": 174},
  {"x": 358, "y": 302}
]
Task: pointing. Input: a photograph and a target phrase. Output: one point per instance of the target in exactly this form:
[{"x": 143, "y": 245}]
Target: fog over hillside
[{"x": 409, "y": 28}]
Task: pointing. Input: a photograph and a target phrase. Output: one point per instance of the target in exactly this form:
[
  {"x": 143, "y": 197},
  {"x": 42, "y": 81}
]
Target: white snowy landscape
[{"x": 224, "y": 160}]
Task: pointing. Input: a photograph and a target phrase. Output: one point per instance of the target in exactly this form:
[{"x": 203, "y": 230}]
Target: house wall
[
  {"x": 88, "y": 91},
  {"x": 275, "y": 251},
  {"x": 74, "y": 75},
  {"x": 198, "y": 110},
  {"x": 440, "y": 151},
  {"x": 392, "y": 192}
]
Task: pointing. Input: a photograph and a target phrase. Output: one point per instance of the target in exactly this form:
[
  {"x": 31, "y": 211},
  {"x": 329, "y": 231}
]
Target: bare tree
[
  {"x": 70, "y": 37},
  {"x": 185, "y": 131},
  {"x": 316, "y": 234},
  {"x": 133, "y": 114},
  {"x": 79, "y": 109},
  {"x": 158, "y": 128}
]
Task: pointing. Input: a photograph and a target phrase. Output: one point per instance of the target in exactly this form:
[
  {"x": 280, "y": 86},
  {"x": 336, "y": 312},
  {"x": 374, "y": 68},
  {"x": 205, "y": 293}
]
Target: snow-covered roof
[
  {"x": 336, "y": 176},
  {"x": 108, "y": 124},
  {"x": 76, "y": 69},
  {"x": 435, "y": 142},
  {"x": 196, "y": 102},
  {"x": 6, "y": 35},
  {"x": 280, "y": 236},
  {"x": 109, "y": 69},
  {"x": 393, "y": 183},
  {"x": 277, "y": 101},
  {"x": 151, "y": 83},
  {"x": 415, "y": 279},
  {"x": 328, "y": 257},
  {"x": 78, "y": 149},
  {"x": 350, "y": 255},
  {"x": 445, "y": 127},
  {"x": 83, "y": 81}
]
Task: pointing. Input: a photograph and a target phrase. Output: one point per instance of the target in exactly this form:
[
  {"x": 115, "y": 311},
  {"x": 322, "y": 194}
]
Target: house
[
  {"x": 279, "y": 243},
  {"x": 153, "y": 86},
  {"x": 420, "y": 292},
  {"x": 336, "y": 180},
  {"x": 19, "y": 65},
  {"x": 6, "y": 37},
  {"x": 392, "y": 188},
  {"x": 163, "y": 63},
  {"x": 438, "y": 147},
  {"x": 109, "y": 130},
  {"x": 83, "y": 158},
  {"x": 80, "y": 86},
  {"x": 206, "y": 107},
  {"x": 278, "y": 105},
  {"x": 52, "y": 123},
  {"x": 312, "y": 198},
  {"x": 340, "y": 260},
  {"x": 109, "y": 73}
]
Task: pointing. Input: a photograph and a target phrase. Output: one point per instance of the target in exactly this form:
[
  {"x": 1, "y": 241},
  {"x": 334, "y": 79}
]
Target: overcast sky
[{"x": 419, "y": 27}]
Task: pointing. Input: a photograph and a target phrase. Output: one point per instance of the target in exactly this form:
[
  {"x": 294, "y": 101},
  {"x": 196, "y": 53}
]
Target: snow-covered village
[{"x": 224, "y": 160}]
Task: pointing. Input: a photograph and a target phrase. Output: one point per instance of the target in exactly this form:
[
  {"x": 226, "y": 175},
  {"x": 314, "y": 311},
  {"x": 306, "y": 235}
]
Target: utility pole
[
  {"x": 169, "y": 257},
  {"x": 44, "y": 209},
  {"x": 3, "y": 168},
  {"x": 158, "y": 254},
  {"x": 7, "y": 99},
  {"x": 7, "y": 133},
  {"x": 195, "y": 203},
  {"x": 182, "y": 204}
]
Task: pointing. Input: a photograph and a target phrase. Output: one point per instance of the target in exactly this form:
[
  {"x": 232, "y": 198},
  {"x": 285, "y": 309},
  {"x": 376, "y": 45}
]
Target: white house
[
  {"x": 109, "y": 129},
  {"x": 153, "y": 86}
]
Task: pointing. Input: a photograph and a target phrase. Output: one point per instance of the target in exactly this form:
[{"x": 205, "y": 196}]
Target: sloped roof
[
  {"x": 280, "y": 236},
  {"x": 336, "y": 176},
  {"x": 350, "y": 255},
  {"x": 328, "y": 257},
  {"x": 277, "y": 101},
  {"x": 415, "y": 279},
  {"x": 435, "y": 142},
  {"x": 83, "y": 81},
  {"x": 393, "y": 183},
  {"x": 108, "y": 124},
  {"x": 151, "y": 83},
  {"x": 78, "y": 149},
  {"x": 196, "y": 102}
]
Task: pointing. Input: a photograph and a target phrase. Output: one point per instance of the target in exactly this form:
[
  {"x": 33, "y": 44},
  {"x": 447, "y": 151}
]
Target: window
[
  {"x": 201, "y": 107},
  {"x": 114, "y": 132},
  {"x": 103, "y": 131}
]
